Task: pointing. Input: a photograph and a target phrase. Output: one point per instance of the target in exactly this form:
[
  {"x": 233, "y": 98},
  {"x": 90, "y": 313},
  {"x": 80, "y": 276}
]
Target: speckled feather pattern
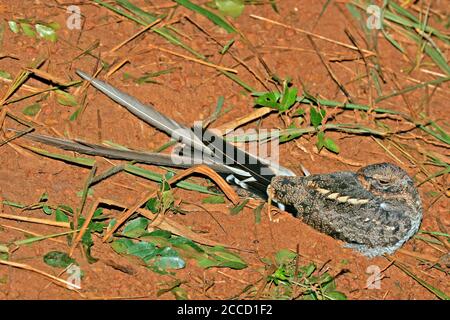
[{"x": 374, "y": 210}]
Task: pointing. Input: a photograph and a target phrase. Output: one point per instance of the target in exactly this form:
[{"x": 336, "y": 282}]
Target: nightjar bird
[{"x": 374, "y": 210}]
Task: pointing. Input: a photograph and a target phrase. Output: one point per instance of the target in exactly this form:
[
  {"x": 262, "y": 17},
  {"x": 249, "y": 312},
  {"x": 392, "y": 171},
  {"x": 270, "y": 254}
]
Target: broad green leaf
[
  {"x": 168, "y": 258},
  {"x": 285, "y": 256},
  {"x": 5, "y": 75},
  {"x": 331, "y": 145},
  {"x": 135, "y": 228},
  {"x": 160, "y": 233},
  {"x": 47, "y": 210},
  {"x": 144, "y": 250},
  {"x": 317, "y": 116},
  {"x": 13, "y": 26},
  {"x": 269, "y": 99},
  {"x": 4, "y": 248},
  {"x": 214, "y": 199},
  {"x": 32, "y": 109},
  {"x": 289, "y": 99},
  {"x": 28, "y": 29},
  {"x": 122, "y": 245},
  {"x": 227, "y": 259},
  {"x": 46, "y": 32},
  {"x": 320, "y": 140},
  {"x": 74, "y": 115},
  {"x": 181, "y": 242},
  {"x": 60, "y": 215},
  {"x": 232, "y": 8},
  {"x": 58, "y": 259}
]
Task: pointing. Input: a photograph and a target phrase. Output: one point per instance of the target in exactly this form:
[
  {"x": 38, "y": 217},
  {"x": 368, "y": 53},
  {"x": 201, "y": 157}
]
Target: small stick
[
  {"x": 36, "y": 220},
  {"x": 257, "y": 114},
  {"x": 135, "y": 35},
  {"x": 84, "y": 227},
  {"x": 208, "y": 64},
  {"x": 68, "y": 285},
  {"x": 229, "y": 192},
  {"x": 311, "y": 34},
  {"x": 30, "y": 232}
]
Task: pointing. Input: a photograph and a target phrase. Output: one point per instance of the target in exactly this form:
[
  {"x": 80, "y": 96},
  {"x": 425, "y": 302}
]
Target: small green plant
[
  {"x": 284, "y": 102},
  {"x": 288, "y": 280},
  {"x": 32, "y": 29}
]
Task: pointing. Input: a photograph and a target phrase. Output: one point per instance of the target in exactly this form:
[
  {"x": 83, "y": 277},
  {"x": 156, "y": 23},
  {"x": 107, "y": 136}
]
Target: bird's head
[{"x": 385, "y": 178}]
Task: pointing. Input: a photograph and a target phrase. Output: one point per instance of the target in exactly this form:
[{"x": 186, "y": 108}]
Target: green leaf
[
  {"x": 47, "y": 210},
  {"x": 32, "y": 109},
  {"x": 28, "y": 29},
  {"x": 144, "y": 250},
  {"x": 65, "y": 98},
  {"x": 97, "y": 213},
  {"x": 13, "y": 26},
  {"x": 122, "y": 245},
  {"x": 232, "y": 8},
  {"x": 285, "y": 256},
  {"x": 214, "y": 199},
  {"x": 135, "y": 228},
  {"x": 269, "y": 99},
  {"x": 46, "y": 32},
  {"x": 317, "y": 117},
  {"x": 60, "y": 215},
  {"x": 289, "y": 99},
  {"x": 43, "y": 197},
  {"x": 74, "y": 115},
  {"x": 226, "y": 258},
  {"x": 180, "y": 293},
  {"x": 181, "y": 242},
  {"x": 238, "y": 208},
  {"x": 336, "y": 295},
  {"x": 4, "y": 249},
  {"x": 320, "y": 140},
  {"x": 5, "y": 75},
  {"x": 208, "y": 14},
  {"x": 331, "y": 145},
  {"x": 168, "y": 258},
  {"x": 160, "y": 233},
  {"x": 309, "y": 269},
  {"x": 58, "y": 259},
  {"x": 167, "y": 199},
  {"x": 66, "y": 208}
]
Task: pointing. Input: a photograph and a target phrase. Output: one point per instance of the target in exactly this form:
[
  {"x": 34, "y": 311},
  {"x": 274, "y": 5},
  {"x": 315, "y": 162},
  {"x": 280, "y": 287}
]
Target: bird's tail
[{"x": 239, "y": 167}]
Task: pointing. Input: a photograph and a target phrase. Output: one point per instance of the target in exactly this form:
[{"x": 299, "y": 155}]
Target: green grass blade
[
  {"x": 412, "y": 88},
  {"x": 208, "y": 14},
  {"x": 85, "y": 162},
  {"x": 438, "y": 293},
  {"x": 40, "y": 238}
]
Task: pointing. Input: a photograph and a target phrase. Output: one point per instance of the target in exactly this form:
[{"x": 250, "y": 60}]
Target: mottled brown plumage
[{"x": 374, "y": 210}]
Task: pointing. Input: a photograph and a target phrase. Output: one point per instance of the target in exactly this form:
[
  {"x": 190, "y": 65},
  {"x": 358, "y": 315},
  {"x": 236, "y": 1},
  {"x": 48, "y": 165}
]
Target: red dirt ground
[{"x": 188, "y": 94}]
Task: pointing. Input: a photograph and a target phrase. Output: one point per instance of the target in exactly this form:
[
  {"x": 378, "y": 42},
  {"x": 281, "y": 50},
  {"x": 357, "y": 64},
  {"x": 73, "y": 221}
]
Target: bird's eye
[{"x": 384, "y": 182}]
